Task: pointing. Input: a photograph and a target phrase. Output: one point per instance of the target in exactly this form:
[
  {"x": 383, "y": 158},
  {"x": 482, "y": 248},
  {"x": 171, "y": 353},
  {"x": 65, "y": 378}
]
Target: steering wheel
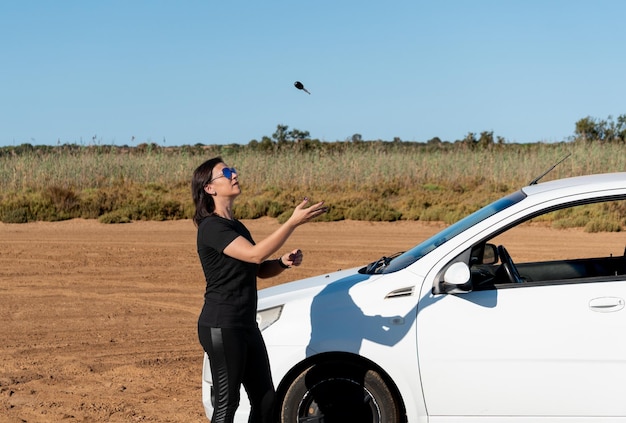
[{"x": 509, "y": 267}]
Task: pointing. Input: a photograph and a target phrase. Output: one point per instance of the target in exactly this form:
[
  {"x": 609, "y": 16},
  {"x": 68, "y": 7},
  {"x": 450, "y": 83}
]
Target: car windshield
[{"x": 420, "y": 250}]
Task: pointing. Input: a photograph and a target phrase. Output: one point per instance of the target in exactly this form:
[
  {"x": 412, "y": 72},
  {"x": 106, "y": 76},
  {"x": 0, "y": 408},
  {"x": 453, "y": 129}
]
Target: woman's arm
[
  {"x": 275, "y": 267},
  {"x": 244, "y": 250}
]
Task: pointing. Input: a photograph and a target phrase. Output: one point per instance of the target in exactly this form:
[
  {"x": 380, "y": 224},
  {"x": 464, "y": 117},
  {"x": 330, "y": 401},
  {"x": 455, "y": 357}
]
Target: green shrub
[
  {"x": 15, "y": 215},
  {"x": 602, "y": 226},
  {"x": 117, "y": 216}
]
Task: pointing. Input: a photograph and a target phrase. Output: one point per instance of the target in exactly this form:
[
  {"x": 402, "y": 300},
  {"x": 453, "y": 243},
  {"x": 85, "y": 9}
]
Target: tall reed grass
[{"x": 364, "y": 181}]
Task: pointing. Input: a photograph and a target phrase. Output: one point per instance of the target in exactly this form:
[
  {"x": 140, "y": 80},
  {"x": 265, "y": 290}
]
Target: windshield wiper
[{"x": 379, "y": 265}]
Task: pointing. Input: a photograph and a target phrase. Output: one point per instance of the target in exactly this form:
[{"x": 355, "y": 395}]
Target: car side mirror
[
  {"x": 457, "y": 279},
  {"x": 490, "y": 255}
]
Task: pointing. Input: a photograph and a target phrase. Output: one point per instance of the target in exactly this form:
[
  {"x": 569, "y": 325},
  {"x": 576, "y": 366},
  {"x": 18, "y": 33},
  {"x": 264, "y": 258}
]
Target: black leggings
[{"x": 238, "y": 357}]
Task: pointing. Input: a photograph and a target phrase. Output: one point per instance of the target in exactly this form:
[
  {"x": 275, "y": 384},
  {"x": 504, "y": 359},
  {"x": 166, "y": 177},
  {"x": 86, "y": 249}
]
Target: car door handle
[{"x": 606, "y": 304}]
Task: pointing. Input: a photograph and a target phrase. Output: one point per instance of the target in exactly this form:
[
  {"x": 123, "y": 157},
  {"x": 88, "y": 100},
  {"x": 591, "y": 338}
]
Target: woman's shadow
[{"x": 338, "y": 324}]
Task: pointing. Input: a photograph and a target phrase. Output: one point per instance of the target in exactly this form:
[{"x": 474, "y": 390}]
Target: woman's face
[{"x": 224, "y": 181}]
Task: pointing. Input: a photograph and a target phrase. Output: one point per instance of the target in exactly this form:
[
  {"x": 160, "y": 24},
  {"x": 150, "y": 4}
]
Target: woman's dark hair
[{"x": 204, "y": 203}]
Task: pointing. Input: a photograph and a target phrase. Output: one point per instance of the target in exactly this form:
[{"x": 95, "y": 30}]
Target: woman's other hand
[{"x": 294, "y": 258}]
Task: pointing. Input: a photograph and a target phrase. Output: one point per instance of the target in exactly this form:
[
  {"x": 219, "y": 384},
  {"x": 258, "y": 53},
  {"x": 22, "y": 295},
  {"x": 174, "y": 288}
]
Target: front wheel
[{"x": 339, "y": 392}]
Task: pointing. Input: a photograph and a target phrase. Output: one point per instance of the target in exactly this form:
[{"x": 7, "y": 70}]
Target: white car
[{"x": 454, "y": 330}]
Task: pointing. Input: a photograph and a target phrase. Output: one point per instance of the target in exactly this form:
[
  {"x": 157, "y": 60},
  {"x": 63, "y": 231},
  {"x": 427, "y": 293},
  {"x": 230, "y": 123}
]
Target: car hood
[{"x": 309, "y": 287}]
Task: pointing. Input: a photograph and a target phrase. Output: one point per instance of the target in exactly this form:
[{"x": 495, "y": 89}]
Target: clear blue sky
[{"x": 215, "y": 72}]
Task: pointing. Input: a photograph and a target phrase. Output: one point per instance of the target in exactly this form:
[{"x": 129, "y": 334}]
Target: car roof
[{"x": 597, "y": 182}]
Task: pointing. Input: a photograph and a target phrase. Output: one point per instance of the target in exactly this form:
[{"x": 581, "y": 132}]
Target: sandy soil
[{"x": 98, "y": 322}]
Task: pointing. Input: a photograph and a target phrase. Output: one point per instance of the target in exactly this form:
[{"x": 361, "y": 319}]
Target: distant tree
[
  {"x": 486, "y": 138},
  {"x": 592, "y": 129},
  {"x": 280, "y": 136},
  {"x": 588, "y": 129},
  {"x": 298, "y": 135},
  {"x": 470, "y": 138},
  {"x": 616, "y": 130},
  {"x": 283, "y": 135},
  {"x": 621, "y": 127},
  {"x": 266, "y": 144}
]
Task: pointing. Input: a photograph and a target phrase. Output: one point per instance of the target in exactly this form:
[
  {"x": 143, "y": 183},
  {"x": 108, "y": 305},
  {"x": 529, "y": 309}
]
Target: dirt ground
[{"x": 98, "y": 322}]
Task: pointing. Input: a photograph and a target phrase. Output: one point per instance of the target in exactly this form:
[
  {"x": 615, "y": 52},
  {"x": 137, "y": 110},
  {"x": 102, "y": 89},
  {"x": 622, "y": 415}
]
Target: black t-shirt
[{"x": 230, "y": 299}]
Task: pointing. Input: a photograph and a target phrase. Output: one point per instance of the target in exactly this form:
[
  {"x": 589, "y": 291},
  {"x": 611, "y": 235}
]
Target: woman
[{"x": 231, "y": 262}]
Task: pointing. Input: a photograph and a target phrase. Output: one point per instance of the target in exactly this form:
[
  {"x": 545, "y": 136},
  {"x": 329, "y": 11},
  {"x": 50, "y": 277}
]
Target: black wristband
[{"x": 281, "y": 264}]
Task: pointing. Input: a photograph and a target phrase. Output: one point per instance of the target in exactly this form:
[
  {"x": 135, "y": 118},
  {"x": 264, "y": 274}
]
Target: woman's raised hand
[{"x": 303, "y": 214}]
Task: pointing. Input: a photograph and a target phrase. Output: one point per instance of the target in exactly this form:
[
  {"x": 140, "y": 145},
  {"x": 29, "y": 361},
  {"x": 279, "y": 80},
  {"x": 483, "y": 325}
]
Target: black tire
[{"x": 339, "y": 392}]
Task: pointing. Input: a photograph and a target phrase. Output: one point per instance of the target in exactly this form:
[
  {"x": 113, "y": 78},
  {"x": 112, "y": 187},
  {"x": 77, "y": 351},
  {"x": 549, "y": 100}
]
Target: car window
[{"x": 582, "y": 243}]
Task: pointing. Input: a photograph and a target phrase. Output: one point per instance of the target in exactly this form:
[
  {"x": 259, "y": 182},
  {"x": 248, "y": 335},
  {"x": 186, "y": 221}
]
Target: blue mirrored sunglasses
[{"x": 227, "y": 172}]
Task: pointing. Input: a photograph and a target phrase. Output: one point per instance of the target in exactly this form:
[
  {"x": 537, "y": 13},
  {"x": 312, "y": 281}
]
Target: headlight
[{"x": 265, "y": 318}]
